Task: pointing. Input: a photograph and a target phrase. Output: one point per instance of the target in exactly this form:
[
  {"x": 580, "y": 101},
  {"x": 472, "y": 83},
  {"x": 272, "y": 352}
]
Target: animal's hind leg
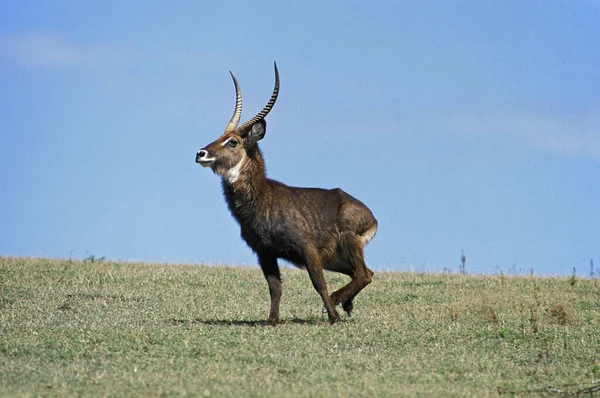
[
  {"x": 348, "y": 304},
  {"x": 315, "y": 271},
  {"x": 360, "y": 274}
]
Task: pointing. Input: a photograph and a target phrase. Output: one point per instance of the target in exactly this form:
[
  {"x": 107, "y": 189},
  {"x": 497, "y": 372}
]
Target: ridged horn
[
  {"x": 237, "y": 113},
  {"x": 261, "y": 115}
]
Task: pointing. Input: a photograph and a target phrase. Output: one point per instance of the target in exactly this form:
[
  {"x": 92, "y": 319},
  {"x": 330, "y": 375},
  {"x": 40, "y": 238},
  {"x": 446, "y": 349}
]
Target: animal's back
[{"x": 323, "y": 210}]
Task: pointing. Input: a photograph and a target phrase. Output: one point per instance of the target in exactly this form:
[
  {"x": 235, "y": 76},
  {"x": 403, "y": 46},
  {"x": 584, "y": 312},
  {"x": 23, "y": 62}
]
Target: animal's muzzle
[
  {"x": 201, "y": 154},
  {"x": 202, "y": 158}
]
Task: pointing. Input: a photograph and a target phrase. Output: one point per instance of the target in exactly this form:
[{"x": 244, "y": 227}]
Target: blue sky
[{"x": 468, "y": 126}]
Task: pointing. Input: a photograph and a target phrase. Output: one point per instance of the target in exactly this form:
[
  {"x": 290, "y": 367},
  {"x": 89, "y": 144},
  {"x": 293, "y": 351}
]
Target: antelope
[{"x": 312, "y": 228}]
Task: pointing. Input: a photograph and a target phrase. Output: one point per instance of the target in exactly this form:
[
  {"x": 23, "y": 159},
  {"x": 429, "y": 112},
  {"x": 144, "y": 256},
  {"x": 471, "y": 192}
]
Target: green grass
[{"x": 101, "y": 328}]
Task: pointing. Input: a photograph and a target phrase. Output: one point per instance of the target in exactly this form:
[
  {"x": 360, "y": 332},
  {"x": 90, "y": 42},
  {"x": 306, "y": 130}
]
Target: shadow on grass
[{"x": 251, "y": 323}]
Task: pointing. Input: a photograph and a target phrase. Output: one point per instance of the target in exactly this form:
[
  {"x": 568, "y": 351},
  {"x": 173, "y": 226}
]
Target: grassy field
[{"x": 98, "y": 329}]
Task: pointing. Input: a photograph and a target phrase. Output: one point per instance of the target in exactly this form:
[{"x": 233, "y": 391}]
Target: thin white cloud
[
  {"x": 51, "y": 51},
  {"x": 571, "y": 134}
]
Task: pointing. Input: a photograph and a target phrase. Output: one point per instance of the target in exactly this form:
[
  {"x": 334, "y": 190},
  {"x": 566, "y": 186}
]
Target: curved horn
[
  {"x": 261, "y": 115},
  {"x": 237, "y": 113}
]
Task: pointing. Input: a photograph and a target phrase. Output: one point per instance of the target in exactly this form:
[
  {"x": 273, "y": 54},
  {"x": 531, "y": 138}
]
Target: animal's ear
[{"x": 257, "y": 132}]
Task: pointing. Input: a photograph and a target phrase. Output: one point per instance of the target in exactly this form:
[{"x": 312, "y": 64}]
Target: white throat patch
[{"x": 234, "y": 173}]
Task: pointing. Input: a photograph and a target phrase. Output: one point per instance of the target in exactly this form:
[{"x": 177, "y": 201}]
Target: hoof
[
  {"x": 348, "y": 307},
  {"x": 269, "y": 322}
]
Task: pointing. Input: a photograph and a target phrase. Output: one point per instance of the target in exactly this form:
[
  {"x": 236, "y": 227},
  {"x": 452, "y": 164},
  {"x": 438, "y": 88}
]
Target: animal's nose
[{"x": 200, "y": 154}]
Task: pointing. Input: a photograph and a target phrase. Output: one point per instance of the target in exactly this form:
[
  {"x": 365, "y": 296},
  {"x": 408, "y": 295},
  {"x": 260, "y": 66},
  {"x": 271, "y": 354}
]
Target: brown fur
[{"x": 312, "y": 228}]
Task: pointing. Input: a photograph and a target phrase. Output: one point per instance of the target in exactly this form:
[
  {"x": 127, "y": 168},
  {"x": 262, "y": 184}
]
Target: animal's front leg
[{"x": 270, "y": 270}]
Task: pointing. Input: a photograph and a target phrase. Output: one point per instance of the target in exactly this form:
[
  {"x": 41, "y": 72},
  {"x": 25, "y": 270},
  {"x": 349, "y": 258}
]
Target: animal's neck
[{"x": 246, "y": 194}]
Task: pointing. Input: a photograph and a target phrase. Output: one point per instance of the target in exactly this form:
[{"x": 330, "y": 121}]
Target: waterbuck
[{"x": 310, "y": 227}]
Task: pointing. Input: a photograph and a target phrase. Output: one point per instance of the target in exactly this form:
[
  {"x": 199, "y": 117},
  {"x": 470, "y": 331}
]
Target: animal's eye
[{"x": 232, "y": 143}]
